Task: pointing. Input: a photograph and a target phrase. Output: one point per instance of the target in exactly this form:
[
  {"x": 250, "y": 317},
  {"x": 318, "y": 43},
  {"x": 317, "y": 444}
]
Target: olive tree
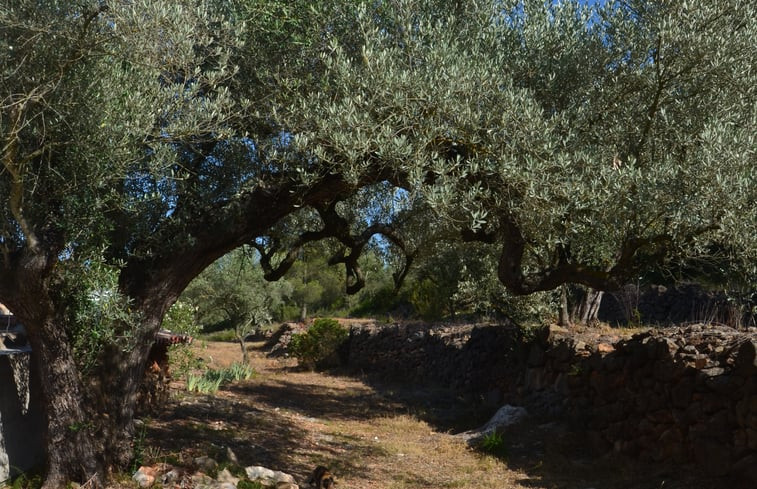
[
  {"x": 94, "y": 96},
  {"x": 584, "y": 143},
  {"x": 141, "y": 142}
]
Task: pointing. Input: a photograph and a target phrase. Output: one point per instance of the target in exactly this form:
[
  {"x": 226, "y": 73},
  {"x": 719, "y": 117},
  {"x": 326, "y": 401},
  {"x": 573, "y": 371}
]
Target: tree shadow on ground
[
  {"x": 552, "y": 452},
  {"x": 195, "y": 426},
  {"x": 262, "y": 423},
  {"x": 316, "y": 401}
]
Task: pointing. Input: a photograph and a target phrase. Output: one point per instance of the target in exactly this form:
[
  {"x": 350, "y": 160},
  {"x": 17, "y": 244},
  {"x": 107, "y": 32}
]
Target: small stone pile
[{"x": 169, "y": 476}]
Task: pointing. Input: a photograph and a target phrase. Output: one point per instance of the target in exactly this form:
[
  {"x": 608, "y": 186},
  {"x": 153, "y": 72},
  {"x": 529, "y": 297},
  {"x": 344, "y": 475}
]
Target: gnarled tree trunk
[
  {"x": 121, "y": 373},
  {"x": 72, "y": 447}
]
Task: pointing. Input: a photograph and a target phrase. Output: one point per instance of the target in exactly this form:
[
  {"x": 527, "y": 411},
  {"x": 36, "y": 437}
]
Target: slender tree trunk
[
  {"x": 240, "y": 339},
  {"x": 245, "y": 357},
  {"x": 564, "y": 319}
]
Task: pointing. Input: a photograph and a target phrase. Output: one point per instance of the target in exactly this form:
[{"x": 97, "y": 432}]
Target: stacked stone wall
[
  {"x": 683, "y": 394},
  {"x": 679, "y": 395},
  {"x": 467, "y": 358}
]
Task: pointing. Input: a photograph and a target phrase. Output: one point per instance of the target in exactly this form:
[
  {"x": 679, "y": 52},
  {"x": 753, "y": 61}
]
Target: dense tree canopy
[
  {"x": 143, "y": 141},
  {"x": 585, "y": 144}
]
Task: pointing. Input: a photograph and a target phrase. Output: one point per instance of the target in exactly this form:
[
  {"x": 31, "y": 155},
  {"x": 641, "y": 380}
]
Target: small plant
[
  {"x": 27, "y": 481},
  {"x": 138, "y": 448},
  {"x": 319, "y": 343},
  {"x": 635, "y": 319},
  {"x": 239, "y": 371},
  {"x": 494, "y": 444},
  {"x": 182, "y": 360},
  {"x": 575, "y": 370},
  {"x": 207, "y": 383},
  {"x": 211, "y": 380}
]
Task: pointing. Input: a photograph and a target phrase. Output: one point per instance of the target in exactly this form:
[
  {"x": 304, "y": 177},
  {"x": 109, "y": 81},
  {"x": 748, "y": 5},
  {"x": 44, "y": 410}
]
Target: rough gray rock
[
  {"x": 506, "y": 416},
  {"x": 271, "y": 478}
]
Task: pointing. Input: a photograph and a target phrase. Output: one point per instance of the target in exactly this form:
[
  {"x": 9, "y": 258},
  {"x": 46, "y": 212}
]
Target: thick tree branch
[
  {"x": 273, "y": 273},
  {"x": 634, "y": 255},
  {"x": 154, "y": 267},
  {"x": 334, "y": 226}
]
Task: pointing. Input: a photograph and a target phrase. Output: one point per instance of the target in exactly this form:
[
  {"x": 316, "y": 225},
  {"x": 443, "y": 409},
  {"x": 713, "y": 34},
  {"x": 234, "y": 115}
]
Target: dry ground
[{"x": 377, "y": 436}]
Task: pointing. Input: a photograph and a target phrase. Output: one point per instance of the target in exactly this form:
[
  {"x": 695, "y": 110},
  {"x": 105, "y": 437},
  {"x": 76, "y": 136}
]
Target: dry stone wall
[
  {"x": 685, "y": 394},
  {"x": 480, "y": 358},
  {"x": 682, "y": 394}
]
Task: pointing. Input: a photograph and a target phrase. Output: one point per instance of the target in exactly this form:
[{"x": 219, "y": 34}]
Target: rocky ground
[{"x": 372, "y": 436}]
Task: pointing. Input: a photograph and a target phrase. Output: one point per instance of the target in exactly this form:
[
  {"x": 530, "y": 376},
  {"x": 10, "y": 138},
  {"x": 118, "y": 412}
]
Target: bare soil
[{"x": 377, "y": 435}]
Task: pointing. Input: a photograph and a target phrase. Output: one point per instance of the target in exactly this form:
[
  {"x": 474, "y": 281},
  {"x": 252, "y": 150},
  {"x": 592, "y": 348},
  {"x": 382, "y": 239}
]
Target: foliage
[
  {"x": 206, "y": 383},
  {"x": 384, "y": 300},
  {"x": 494, "y": 444},
  {"x": 238, "y": 371},
  {"x": 581, "y": 142},
  {"x": 96, "y": 310},
  {"x": 180, "y": 318},
  {"x": 427, "y": 299},
  {"x": 316, "y": 286},
  {"x": 139, "y": 448},
  {"x": 221, "y": 335},
  {"x": 27, "y": 481},
  {"x": 183, "y": 360},
  {"x": 320, "y": 342},
  {"x": 233, "y": 289},
  {"x": 627, "y": 148},
  {"x": 211, "y": 380}
]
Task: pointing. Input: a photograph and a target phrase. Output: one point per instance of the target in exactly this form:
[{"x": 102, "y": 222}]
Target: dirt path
[{"x": 370, "y": 436}]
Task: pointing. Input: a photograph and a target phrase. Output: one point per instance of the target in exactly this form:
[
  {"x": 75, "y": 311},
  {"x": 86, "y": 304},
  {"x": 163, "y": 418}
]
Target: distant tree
[{"x": 233, "y": 290}]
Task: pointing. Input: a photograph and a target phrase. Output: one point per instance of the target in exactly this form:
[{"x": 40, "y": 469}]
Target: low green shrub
[
  {"x": 207, "y": 383},
  {"x": 494, "y": 444},
  {"x": 319, "y": 344},
  {"x": 238, "y": 371}
]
